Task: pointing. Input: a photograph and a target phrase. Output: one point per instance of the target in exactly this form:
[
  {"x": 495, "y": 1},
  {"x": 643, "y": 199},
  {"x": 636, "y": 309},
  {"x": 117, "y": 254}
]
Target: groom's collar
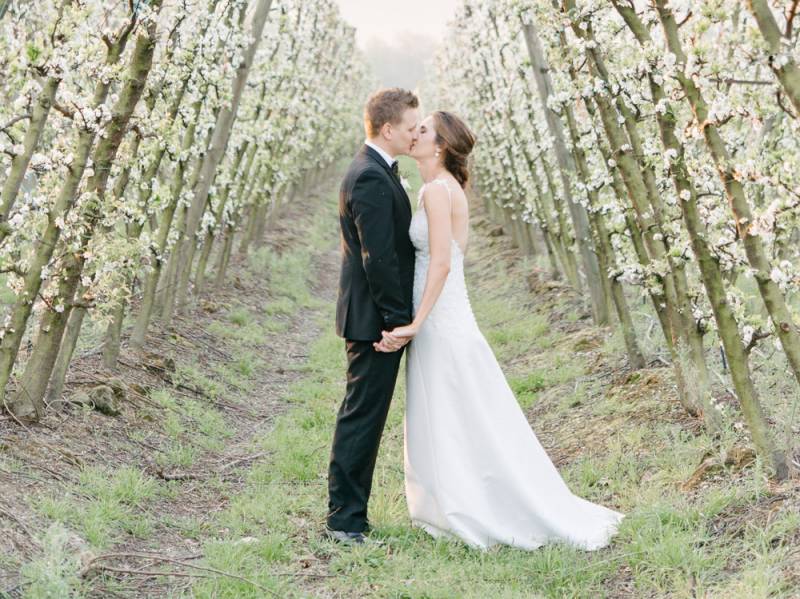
[
  {"x": 373, "y": 154},
  {"x": 381, "y": 152}
]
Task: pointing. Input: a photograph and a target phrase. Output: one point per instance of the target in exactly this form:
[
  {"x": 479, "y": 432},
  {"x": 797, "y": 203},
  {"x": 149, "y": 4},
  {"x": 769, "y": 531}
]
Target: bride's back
[
  {"x": 459, "y": 209},
  {"x": 459, "y": 214}
]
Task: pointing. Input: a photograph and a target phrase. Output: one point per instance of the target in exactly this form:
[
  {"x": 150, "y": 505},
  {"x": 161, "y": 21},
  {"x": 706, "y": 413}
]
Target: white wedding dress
[{"x": 474, "y": 469}]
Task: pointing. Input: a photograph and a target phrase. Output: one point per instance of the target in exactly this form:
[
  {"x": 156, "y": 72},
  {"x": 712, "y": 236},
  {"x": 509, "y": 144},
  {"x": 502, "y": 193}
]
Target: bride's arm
[{"x": 440, "y": 238}]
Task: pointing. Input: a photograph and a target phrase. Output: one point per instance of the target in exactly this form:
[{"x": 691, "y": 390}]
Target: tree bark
[
  {"x": 45, "y": 246},
  {"x": 580, "y": 219},
  {"x": 219, "y": 142},
  {"x": 675, "y": 282},
  {"x": 785, "y": 68},
  {"x": 754, "y": 249},
  {"x": 605, "y": 252},
  {"x": 33, "y": 383},
  {"x": 20, "y": 162}
]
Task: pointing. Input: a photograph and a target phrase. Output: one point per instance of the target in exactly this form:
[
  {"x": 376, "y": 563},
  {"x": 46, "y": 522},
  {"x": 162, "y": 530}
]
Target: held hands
[{"x": 396, "y": 338}]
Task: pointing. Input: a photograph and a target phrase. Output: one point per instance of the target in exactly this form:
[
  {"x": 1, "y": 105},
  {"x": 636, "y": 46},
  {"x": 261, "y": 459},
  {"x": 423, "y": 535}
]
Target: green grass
[
  {"x": 52, "y": 573},
  {"x": 526, "y": 387},
  {"x": 625, "y": 452},
  {"x": 104, "y": 504},
  {"x": 667, "y": 545},
  {"x": 111, "y": 504}
]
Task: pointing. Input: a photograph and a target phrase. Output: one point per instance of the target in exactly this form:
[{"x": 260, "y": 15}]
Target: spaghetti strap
[{"x": 441, "y": 182}]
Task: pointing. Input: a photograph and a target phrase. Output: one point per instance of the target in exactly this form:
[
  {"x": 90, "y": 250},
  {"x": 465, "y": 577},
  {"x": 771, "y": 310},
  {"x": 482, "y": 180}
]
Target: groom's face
[{"x": 404, "y": 134}]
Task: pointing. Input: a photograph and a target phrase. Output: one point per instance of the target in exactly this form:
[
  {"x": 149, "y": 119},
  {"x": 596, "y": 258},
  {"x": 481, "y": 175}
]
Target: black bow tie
[{"x": 395, "y": 167}]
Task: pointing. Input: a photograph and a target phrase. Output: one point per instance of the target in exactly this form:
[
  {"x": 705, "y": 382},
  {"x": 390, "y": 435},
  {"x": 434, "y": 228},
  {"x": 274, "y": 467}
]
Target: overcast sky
[{"x": 397, "y": 36}]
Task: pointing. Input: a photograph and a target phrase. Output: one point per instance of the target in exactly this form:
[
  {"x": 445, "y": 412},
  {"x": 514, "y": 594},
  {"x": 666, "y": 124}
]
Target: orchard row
[
  {"x": 141, "y": 144},
  {"x": 654, "y": 146}
]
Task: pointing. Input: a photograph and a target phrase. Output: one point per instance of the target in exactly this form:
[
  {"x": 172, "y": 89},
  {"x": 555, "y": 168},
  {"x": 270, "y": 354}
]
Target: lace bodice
[{"x": 452, "y": 307}]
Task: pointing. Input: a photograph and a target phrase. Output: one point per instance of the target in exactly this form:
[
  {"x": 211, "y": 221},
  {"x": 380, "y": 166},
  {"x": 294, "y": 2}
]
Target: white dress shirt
[{"x": 389, "y": 160}]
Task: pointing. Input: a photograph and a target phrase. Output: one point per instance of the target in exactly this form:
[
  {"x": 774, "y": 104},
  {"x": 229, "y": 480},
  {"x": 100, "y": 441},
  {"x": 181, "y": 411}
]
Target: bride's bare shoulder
[{"x": 435, "y": 192}]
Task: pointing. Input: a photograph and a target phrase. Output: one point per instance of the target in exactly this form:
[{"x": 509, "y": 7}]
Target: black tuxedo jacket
[{"x": 377, "y": 276}]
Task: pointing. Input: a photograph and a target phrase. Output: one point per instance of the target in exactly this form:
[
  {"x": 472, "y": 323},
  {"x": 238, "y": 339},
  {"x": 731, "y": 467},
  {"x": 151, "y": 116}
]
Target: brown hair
[
  {"x": 456, "y": 140},
  {"x": 387, "y": 106}
]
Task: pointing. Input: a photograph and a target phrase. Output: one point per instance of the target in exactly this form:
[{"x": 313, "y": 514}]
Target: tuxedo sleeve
[{"x": 371, "y": 206}]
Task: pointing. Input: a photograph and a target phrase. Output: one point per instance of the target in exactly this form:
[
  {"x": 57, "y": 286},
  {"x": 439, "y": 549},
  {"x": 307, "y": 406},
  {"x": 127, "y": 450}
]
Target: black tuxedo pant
[{"x": 371, "y": 378}]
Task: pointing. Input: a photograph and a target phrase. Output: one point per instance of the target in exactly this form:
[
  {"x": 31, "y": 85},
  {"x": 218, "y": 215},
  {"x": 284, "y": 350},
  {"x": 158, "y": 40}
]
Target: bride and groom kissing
[{"x": 474, "y": 469}]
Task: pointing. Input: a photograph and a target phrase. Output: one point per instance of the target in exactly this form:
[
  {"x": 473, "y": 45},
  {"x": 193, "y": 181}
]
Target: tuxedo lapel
[
  {"x": 395, "y": 179},
  {"x": 377, "y": 158}
]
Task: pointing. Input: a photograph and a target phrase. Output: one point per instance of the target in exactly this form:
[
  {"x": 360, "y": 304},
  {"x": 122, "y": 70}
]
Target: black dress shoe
[{"x": 344, "y": 537}]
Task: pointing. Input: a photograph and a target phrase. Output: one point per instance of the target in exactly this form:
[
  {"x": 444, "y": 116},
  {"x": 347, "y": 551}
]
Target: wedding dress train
[{"x": 474, "y": 469}]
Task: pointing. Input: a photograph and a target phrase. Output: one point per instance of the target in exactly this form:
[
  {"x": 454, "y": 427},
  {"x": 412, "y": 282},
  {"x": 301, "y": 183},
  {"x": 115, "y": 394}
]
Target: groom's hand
[
  {"x": 396, "y": 338},
  {"x": 391, "y": 342},
  {"x": 386, "y": 345}
]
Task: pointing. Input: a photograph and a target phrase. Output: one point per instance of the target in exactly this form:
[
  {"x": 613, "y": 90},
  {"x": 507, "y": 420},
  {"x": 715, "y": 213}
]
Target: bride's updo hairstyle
[{"x": 456, "y": 141}]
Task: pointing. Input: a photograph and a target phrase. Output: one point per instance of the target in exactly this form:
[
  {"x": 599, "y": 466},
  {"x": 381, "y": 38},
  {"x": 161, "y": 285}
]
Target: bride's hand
[
  {"x": 395, "y": 339},
  {"x": 402, "y": 334}
]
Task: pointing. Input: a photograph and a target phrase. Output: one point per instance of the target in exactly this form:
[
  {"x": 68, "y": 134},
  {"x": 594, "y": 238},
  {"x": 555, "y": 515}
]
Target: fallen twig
[
  {"x": 151, "y": 572},
  {"x": 248, "y": 458},
  {"x": 180, "y": 476},
  {"x": 21, "y": 524},
  {"x": 92, "y": 564}
]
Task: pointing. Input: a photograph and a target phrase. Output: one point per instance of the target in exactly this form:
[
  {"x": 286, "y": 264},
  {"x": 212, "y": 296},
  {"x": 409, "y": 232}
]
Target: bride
[{"x": 474, "y": 469}]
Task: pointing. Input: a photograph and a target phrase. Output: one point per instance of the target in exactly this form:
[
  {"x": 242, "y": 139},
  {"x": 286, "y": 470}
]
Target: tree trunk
[
  {"x": 111, "y": 344},
  {"x": 33, "y": 382},
  {"x": 754, "y": 249},
  {"x": 580, "y": 220},
  {"x": 660, "y": 303},
  {"x": 605, "y": 252},
  {"x": 676, "y": 284},
  {"x": 563, "y": 242},
  {"x": 113, "y": 330},
  {"x": 633, "y": 177},
  {"x": 19, "y": 313},
  {"x": 20, "y": 162},
  {"x": 785, "y": 69},
  {"x": 710, "y": 272},
  {"x": 246, "y": 186},
  {"x": 224, "y": 255},
  {"x": 208, "y": 242},
  {"x": 219, "y": 141},
  {"x": 65, "y": 352}
]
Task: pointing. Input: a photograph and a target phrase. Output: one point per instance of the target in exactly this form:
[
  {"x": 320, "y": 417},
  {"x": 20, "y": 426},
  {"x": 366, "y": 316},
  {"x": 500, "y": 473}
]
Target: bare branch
[
  {"x": 16, "y": 119},
  {"x": 790, "y": 19},
  {"x": 732, "y": 80},
  {"x": 70, "y": 114},
  {"x": 757, "y": 336},
  {"x": 685, "y": 19},
  {"x": 779, "y": 99},
  {"x": 94, "y": 564}
]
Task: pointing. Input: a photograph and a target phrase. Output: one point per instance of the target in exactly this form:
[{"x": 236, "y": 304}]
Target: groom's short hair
[{"x": 387, "y": 106}]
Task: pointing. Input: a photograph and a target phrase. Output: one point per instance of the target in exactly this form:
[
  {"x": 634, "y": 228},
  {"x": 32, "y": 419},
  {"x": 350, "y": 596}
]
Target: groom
[{"x": 375, "y": 294}]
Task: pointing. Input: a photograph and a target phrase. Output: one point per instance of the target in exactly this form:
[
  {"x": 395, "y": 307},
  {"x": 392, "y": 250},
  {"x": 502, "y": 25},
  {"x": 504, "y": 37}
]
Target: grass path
[
  {"x": 93, "y": 503},
  {"x": 620, "y": 438},
  {"x": 255, "y": 439}
]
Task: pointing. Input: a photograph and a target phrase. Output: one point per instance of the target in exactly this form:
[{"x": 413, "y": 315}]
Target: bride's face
[{"x": 425, "y": 146}]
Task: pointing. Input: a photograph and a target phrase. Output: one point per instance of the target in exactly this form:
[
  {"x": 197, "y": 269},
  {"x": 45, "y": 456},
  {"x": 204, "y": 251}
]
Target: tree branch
[
  {"x": 790, "y": 19},
  {"x": 757, "y": 336},
  {"x": 70, "y": 114},
  {"x": 16, "y": 119},
  {"x": 92, "y": 564}
]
